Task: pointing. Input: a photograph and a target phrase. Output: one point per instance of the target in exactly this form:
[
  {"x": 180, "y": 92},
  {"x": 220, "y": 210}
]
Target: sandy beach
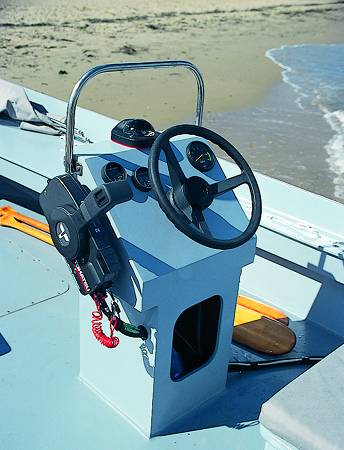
[{"x": 47, "y": 46}]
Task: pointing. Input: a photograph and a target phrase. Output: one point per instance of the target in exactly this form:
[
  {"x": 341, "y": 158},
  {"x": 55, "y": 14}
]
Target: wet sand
[
  {"x": 281, "y": 140},
  {"x": 47, "y": 46}
]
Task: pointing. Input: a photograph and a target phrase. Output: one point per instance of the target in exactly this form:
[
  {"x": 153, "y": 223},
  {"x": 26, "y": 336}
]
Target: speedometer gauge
[{"x": 200, "y": 156}]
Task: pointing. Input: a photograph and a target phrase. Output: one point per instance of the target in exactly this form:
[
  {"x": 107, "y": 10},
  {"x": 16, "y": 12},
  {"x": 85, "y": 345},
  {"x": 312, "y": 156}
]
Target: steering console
[{"x": 189, "y": 197}]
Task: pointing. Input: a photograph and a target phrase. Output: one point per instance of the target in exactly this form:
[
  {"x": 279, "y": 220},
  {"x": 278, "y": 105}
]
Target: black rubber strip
[{"x": 14, "y": 192}]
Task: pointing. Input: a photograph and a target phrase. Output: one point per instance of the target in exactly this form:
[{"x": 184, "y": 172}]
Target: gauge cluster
[
  {"x": 113, "y": 171},
  {"x": 199, "y": 154}
]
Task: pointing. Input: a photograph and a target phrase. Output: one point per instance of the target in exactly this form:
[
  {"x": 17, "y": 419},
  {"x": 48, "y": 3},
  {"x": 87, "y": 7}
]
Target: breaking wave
[{"x": 316, "y": 74}]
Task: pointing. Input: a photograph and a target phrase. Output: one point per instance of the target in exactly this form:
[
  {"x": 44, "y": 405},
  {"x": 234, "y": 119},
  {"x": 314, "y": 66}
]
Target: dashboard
[
  {"x": 151, "y": 242},
  {"x": 198, "y": 153}
]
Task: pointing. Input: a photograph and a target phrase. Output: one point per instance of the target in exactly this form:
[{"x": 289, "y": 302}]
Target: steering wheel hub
[{"x": 198, "y": 193}]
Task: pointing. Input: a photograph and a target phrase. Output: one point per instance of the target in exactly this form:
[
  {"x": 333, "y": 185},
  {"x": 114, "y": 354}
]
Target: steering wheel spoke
[
  {"x": 199, "y": 221},
  {"x": 176, "y": 173},
  {"x": 229, "y": 184},
  {"x": 183, "y": 205}
]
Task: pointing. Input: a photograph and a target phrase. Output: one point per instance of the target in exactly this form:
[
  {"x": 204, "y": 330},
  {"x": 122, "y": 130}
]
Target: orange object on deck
[
  {"x": 9, "y": 217},
  {"x": 261, "y": 308}
]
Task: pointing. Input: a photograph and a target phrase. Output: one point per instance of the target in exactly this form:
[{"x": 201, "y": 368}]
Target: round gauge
[
  {"x": 113, "y": 171},
  {"x": 141, "y": 179},
  {"x": 200, "y": 156}
]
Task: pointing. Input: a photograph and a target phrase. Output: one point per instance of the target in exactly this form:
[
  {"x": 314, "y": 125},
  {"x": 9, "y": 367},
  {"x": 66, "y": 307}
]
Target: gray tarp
[
  {"x": 15, "y": 103},
  {"x": 309, "y": 412}
]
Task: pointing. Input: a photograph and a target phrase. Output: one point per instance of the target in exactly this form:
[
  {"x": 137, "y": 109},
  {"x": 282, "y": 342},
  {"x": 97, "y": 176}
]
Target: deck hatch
[{"x": 26, "y": 281}]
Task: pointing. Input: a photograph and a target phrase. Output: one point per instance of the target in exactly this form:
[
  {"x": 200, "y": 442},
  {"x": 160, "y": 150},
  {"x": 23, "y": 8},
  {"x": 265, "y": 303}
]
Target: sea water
[
  {"x": 297, "y": 133},
  {"x": 316, "y": 72}
]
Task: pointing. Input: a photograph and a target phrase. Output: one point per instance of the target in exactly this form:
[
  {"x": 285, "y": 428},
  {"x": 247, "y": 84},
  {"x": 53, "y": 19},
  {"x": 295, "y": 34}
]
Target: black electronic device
[
  {"x": 137, "y": 133},
  {"x": 80, "y": 230},
  {"x": 141, "y": 179}
]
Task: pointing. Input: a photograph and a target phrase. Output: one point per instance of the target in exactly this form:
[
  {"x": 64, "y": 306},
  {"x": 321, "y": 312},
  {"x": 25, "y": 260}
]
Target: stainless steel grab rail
[{"x": 70, "y": 163}]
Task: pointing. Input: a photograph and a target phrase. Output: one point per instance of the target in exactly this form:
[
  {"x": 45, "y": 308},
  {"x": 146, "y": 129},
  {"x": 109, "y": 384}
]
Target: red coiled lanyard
[
  {"x": 116, "y": 323},
  {"x": 97, "y": 329}
]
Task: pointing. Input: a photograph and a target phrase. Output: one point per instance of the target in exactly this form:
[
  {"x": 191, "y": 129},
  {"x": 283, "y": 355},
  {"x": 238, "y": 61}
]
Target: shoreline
[
  {"x": 47, "y": 50},
  {"x": 227, "y": 41},
  {"x": 278, "y": 140}
]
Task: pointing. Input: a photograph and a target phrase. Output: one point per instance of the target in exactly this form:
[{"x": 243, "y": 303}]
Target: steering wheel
[{"x": 185, "y": 202}]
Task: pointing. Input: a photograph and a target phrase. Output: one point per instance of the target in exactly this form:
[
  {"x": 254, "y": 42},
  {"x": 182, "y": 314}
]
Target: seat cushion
[{"x": 309, "y": 412}]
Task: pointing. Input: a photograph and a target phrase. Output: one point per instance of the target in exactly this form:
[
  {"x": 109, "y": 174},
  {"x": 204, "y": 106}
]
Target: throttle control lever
[{"x": 80, "y": 230}]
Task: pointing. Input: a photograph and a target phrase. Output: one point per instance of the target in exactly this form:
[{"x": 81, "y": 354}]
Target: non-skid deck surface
[
  {"x": 41, "y": 389},
  {"x": 44, "y": 406}
]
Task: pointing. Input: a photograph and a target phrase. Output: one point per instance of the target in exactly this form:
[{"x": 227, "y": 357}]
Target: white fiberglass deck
[{"x": 44, "y": 405}]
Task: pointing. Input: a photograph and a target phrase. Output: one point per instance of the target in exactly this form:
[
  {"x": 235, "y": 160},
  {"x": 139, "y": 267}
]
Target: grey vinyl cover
[
  {"x": 15, "y": 103},
  {"x": 309, "y": 412}
]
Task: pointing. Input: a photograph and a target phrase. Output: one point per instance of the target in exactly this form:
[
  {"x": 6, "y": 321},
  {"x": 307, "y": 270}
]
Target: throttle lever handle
[
  {"x": 103, "y": 198},
  {"x": 70, "y": 208}
]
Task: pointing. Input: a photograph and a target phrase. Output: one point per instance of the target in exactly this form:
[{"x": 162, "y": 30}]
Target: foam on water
[
  {"x": 335, "y": 149},
  {"x": 316, "y": 73}
]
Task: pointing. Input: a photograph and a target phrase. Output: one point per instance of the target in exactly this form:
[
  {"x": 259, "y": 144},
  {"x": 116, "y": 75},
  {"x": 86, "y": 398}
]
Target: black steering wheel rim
[{"x": 180, "y": 222}]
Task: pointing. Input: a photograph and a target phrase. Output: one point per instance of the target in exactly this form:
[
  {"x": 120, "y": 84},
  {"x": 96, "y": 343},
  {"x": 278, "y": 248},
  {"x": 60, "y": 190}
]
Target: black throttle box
[{"x": 81, "y": 231}]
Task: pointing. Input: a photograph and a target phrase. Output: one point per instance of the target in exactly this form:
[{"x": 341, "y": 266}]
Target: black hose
[
  {"x": 267, "y": 364},
  {"x": 123, "y": 327}
]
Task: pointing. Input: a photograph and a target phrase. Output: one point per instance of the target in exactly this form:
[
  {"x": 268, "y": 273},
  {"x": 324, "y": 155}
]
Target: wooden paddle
[{"x": 260, "y": 333}]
